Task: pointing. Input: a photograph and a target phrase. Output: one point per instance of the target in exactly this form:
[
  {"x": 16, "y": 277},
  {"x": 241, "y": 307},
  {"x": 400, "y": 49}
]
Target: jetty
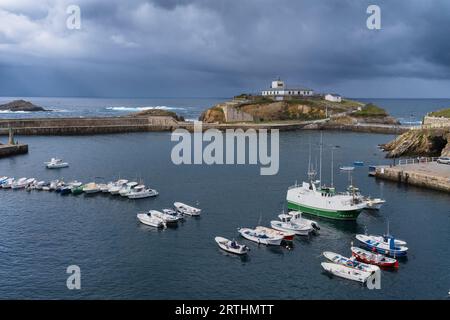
[
  {"x": 124, "y": 124},
  {"x": 421, "y": 172},
  {"x": 12, "y": 147}
]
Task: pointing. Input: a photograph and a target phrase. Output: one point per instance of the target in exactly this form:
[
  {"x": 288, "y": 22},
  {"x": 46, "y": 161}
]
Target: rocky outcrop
[
  {"x": 21, "y": 105},
  {"x": 213, "y": 115},
  {"x": 157, "y": 113},
  {"x": 424, "y": 142}
]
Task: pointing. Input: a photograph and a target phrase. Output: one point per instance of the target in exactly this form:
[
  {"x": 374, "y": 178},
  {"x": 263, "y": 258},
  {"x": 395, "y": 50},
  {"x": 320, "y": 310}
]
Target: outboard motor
[{"x": 315, "y": 226}]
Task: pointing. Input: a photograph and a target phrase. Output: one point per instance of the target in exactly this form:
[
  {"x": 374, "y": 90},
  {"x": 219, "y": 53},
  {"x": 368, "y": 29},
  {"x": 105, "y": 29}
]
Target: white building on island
[
  {"x": 278, "y": 89},
  {"x": 333, "y": 97}
]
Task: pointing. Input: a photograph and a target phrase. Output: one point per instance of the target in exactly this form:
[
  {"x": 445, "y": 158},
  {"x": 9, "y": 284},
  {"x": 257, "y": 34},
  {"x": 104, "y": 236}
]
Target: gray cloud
[{"x": 223, "y": 47}]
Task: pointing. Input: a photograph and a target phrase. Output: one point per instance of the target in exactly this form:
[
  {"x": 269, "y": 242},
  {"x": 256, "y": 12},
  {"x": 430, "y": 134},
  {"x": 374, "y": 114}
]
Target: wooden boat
[
  {"x": 373, "y": 258},
  {"x": 349, "y": 262},
  {"x": 287, "y": 235},
  {"x": 346, "y": 272},
  {"x": 231, "y": 246},
  {"x": 390, "y": 248}
]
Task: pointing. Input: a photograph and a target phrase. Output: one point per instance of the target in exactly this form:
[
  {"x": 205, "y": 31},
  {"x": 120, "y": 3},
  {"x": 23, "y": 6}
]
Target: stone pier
[{"x": 431, "y": 175}]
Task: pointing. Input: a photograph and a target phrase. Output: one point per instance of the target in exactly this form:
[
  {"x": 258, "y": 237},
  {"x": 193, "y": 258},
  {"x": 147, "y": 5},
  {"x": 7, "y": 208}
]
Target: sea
[{"x": 44, "y": 233}]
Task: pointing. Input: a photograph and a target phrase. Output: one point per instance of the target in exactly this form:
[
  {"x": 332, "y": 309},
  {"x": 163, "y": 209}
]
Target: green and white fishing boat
[{"x": 315, "y": 199}]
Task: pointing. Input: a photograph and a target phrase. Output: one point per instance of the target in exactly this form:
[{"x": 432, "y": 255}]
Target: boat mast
[
  {"x": 332, "y": 155},
  {"x": 320, "y": 160}
]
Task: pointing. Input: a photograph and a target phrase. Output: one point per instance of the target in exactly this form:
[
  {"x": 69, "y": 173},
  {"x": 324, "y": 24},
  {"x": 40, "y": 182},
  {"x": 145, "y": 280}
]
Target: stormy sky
[{"x": 219, "y": 48}]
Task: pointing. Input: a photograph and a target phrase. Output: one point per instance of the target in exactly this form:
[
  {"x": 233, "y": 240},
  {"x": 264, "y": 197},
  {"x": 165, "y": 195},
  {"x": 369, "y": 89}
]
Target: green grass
[
  {"x": 371, "y": 110},
  {"x": 441, "y": 113}
]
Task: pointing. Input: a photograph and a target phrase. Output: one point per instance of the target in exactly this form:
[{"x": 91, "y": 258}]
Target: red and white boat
[{"x": 374, "y": 258}]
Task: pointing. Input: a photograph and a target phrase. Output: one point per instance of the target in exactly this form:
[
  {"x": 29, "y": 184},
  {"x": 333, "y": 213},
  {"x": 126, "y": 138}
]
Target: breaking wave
[
  {"x": 10, "y": 111},
  {"x": 137, "y": 109}
]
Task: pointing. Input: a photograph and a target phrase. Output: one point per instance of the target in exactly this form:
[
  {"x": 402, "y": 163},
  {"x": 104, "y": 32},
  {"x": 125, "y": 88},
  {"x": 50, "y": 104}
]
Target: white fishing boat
[
  {"x": 167, "y": 218},
  {"x": 143, "y": 193},
  {"x": 346, "y": 272},
  {"x": 19, "y": 184},
  {"x": 287, "y": 235},
  {"x": 186, "y": 209},
  {"x": 298, "y": 218},
  {"x": 55, "y": 163},
  {"x": 117, "y": 186},
  {"x": 374, "y": 204},
  {"x": 386, "y": 238},
  {"x": 349, "y": 262},
  {"x": 231, "y": 246},
  {"x": 126, "y": 190},
  {"x": 91, "y": 188},
  {"x": 347, "y": 168},
  {"x": 390, "y": 248},
  {"x": 260, "y": 237},
  {"x": 147, "y": 219},
  {"x": 39, "y": 185},
  {"x": 285, "y": 224}
]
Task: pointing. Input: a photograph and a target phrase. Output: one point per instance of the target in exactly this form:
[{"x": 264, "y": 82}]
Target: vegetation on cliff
[
  {"x": 441, "y": 113},
  {"x": 370, "y": 110},
  {"x": 20, "y": 105}
]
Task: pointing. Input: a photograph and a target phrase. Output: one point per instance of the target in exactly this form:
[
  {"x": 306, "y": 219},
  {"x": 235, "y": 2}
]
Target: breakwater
[
  {"x": 7, "y": 150},
  {"x": 105, "y": 125}
]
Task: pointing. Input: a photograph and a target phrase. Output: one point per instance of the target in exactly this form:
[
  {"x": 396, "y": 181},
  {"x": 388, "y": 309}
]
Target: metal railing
[{"x": 403, "y": 162}]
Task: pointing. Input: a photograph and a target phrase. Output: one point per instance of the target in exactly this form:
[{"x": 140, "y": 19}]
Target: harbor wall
[
  {"x": 7, "y": 150},
  {"x": 106, "y": 125},
  {"x": 414, "y": 176}
]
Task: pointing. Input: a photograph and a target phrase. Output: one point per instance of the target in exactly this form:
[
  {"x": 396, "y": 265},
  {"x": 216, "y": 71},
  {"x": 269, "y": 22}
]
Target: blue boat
[
  {"x": 65, "y": 190},
  {"x": 390, "y": 248},
  {"x": 358, "y": 163}
]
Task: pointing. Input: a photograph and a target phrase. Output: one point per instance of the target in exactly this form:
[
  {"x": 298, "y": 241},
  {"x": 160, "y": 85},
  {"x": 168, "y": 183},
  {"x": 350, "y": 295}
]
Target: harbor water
[{"x": 42, "y": 233}]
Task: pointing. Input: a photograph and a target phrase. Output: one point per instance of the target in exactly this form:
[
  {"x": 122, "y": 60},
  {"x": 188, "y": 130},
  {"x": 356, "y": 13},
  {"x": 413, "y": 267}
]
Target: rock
[
  {"x": 424, "y": 142},
  {"x": 21, "y": 105},
  {"x": 156, "y": 113},
  {"x": 213, "y": 115}
]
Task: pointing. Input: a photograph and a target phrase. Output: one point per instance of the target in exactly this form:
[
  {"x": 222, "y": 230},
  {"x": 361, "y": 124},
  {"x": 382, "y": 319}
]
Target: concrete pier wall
[
  {"x": 430, "y": 175},
  {"x": 10, "y": 150}
]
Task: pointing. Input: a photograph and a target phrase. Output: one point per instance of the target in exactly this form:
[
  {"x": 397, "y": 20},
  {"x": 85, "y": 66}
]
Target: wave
[
  {"x": 137, "y": 109},
  {"x": 10, "y": 111}
]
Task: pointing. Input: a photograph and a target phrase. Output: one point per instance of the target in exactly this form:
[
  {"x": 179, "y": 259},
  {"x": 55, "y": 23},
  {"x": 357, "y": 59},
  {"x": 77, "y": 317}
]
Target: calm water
[
  {"x": 42, "y": 233},
  {"x": 408, "y": 111}
]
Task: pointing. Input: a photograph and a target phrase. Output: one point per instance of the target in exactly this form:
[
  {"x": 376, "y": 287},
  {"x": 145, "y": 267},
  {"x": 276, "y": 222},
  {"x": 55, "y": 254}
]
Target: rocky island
[
  {"x": 432, "y": 139},
  {"x": 20, "y": 105},
  {"x": 260, "y": 109}
]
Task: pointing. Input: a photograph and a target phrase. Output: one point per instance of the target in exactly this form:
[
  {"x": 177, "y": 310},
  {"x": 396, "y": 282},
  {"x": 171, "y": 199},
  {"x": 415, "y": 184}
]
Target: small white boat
[
  {"x": 260, "y": 237},
  {"x": 147, "y": 219},
  {"x": 347, "y": 168},
  {"x": 126, "y": 190},
  {"x": 285, "y": 224},
  {"x": 390, "y": 248},
  {"x": 117, "y": 186},
  {"x": 173, "y": 213},
  {"x": 298, "y": 218},
  {"x": 167, "y": 218},
  {"x": 231, "y": 246},
  {"x": 55, "y": 163},
  {"x": 19, "y": 184},
  {"x": 3, "y": 179},
  {"x": 287, "y": 235},
  {"x": 349, "y": 262},
  {"x": 186, "y": 209},
  {"x": 7, "y": 184},
  {"x": 385, "y": 239},
  {"x": 346, "y": 272},
  {"x": 374, "y": 204},
  {"x": 91, "y": 188},
  {"x": 39, "y": 185},
  {"x": 142, "y": 193}
]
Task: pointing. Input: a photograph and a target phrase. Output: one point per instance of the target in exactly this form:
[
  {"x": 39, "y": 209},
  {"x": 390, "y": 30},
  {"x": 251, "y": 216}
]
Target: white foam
[
  {"x": 10, "y": 111},
  {"x": 137, "y": 109}
]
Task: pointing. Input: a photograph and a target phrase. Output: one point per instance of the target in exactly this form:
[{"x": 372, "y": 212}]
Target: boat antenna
[
  {"x": 332, "y": 159},
  {"x": 311, "y": 171}
]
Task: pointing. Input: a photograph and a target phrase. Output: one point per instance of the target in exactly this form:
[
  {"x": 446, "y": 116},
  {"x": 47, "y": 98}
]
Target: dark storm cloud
[{"x": 222, "y": 47}]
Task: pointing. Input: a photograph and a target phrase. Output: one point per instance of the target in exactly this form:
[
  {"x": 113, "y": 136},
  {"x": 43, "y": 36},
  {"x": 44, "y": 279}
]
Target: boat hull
[{"x": 324, "y": 213}]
